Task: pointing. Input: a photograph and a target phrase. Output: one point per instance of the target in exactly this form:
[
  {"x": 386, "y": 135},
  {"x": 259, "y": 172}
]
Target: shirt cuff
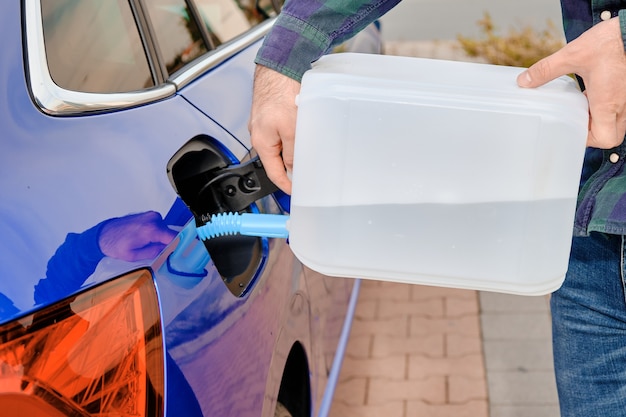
[
  {"x": 622, "y": 25},
  {"x": 291, "y": 46}
]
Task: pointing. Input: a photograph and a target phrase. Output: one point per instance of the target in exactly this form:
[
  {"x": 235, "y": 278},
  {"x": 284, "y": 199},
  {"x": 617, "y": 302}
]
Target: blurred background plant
[{"x": 519, "y": 47}]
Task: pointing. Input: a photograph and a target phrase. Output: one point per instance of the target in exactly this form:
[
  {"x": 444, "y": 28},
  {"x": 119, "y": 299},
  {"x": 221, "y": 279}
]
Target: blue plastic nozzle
[{"x": 248, "y": 224}]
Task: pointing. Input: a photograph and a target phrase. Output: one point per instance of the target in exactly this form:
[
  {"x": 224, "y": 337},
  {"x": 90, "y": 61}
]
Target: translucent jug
[{"x": 436, "y": 172}]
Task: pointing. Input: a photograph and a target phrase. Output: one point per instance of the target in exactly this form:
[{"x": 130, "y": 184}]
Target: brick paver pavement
[{"x": 413, "y": 351}]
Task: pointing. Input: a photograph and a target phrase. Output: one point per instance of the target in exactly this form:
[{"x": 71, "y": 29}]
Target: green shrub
[{"x": 519, "y": 48}]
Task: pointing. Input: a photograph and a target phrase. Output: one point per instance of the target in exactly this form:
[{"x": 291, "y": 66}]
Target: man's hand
[
  {"x": 598, "y": 57},
  {"x": 272, "y": 123}
]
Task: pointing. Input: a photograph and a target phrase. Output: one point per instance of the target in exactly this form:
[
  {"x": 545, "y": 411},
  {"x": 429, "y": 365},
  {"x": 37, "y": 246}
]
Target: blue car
[{"x": 123, "y": 127}]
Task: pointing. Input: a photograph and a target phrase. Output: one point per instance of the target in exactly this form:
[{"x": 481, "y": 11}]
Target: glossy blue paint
[
  {"x": 215, "y": 99},
  {"x": 65, "y": 180}
]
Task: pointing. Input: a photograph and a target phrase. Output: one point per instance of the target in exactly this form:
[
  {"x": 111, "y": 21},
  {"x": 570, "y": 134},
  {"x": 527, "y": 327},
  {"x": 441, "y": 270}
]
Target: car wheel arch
[
  {"x": 289, "y": 378},
  {"x": 295, "y": 387}
]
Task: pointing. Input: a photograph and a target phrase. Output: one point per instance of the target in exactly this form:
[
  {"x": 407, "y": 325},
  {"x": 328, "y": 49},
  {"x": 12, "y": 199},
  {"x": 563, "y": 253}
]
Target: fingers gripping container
[{"x": 436, "y": 172}]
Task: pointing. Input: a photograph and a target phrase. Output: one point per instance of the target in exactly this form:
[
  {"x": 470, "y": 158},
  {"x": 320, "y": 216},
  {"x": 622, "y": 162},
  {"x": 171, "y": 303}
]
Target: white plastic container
[{"x": 436, "y": 172}]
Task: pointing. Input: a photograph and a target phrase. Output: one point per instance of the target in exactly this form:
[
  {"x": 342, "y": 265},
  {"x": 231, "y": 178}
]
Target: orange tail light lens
[{"x": 99, "y": 353}]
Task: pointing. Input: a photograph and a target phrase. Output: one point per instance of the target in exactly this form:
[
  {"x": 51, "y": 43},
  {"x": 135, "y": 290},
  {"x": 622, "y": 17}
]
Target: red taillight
[{"x": 99, "y": 353}]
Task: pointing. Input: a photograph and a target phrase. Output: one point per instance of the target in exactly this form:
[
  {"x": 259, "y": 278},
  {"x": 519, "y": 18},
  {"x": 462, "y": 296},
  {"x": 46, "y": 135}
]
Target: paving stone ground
[
  {"x": 438, "y": 352},
  {"x": 413, "y": 351}
]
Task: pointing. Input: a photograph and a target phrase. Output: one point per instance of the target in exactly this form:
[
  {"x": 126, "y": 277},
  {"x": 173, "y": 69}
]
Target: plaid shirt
[
  {"x": 602, "y": 199},
  {"x": 306, "y": 29}
]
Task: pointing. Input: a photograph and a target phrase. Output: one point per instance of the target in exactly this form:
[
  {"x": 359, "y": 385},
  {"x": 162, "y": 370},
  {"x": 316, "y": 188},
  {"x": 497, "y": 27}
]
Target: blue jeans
[{"x": 589, "y": 329}]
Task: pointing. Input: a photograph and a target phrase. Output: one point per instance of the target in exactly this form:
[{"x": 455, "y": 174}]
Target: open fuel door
[{"x": 210, "y": 181}]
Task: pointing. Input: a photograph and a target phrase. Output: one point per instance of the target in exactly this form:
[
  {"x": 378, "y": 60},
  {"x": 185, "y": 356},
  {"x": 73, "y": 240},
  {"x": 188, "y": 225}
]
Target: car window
[
  {"x": 116, "y": 46},
  {"x": 223, "y": 18},
  {"x": 177, "y": 25},
  {"x": 178, "y": 35},
  {"x": 226, "y": 19},
  {"x": 94, "y": 46}
]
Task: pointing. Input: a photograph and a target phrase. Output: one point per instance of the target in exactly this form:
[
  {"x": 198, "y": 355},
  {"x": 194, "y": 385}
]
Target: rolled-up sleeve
[
  {"x": 622, "y": 25},
  {"x": 306, "y": 29}
]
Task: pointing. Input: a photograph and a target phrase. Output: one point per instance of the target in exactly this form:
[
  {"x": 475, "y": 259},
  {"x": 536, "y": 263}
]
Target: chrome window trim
[
  {"x": 190, "y": 72},
  {"x": 57, "y": 101}
]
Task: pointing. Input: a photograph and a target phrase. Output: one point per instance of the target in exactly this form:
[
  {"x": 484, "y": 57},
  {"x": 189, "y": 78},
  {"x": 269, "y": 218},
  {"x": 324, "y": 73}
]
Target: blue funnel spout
[{"x": 248, "y": 224}]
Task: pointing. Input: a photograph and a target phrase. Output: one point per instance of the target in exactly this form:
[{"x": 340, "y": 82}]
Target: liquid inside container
[{"x": 436, "y": 172}]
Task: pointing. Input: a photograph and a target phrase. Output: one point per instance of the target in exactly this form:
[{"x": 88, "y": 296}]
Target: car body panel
[
  {"x": 236, "y": 81},
  {"x": 61, "y": 177}
]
